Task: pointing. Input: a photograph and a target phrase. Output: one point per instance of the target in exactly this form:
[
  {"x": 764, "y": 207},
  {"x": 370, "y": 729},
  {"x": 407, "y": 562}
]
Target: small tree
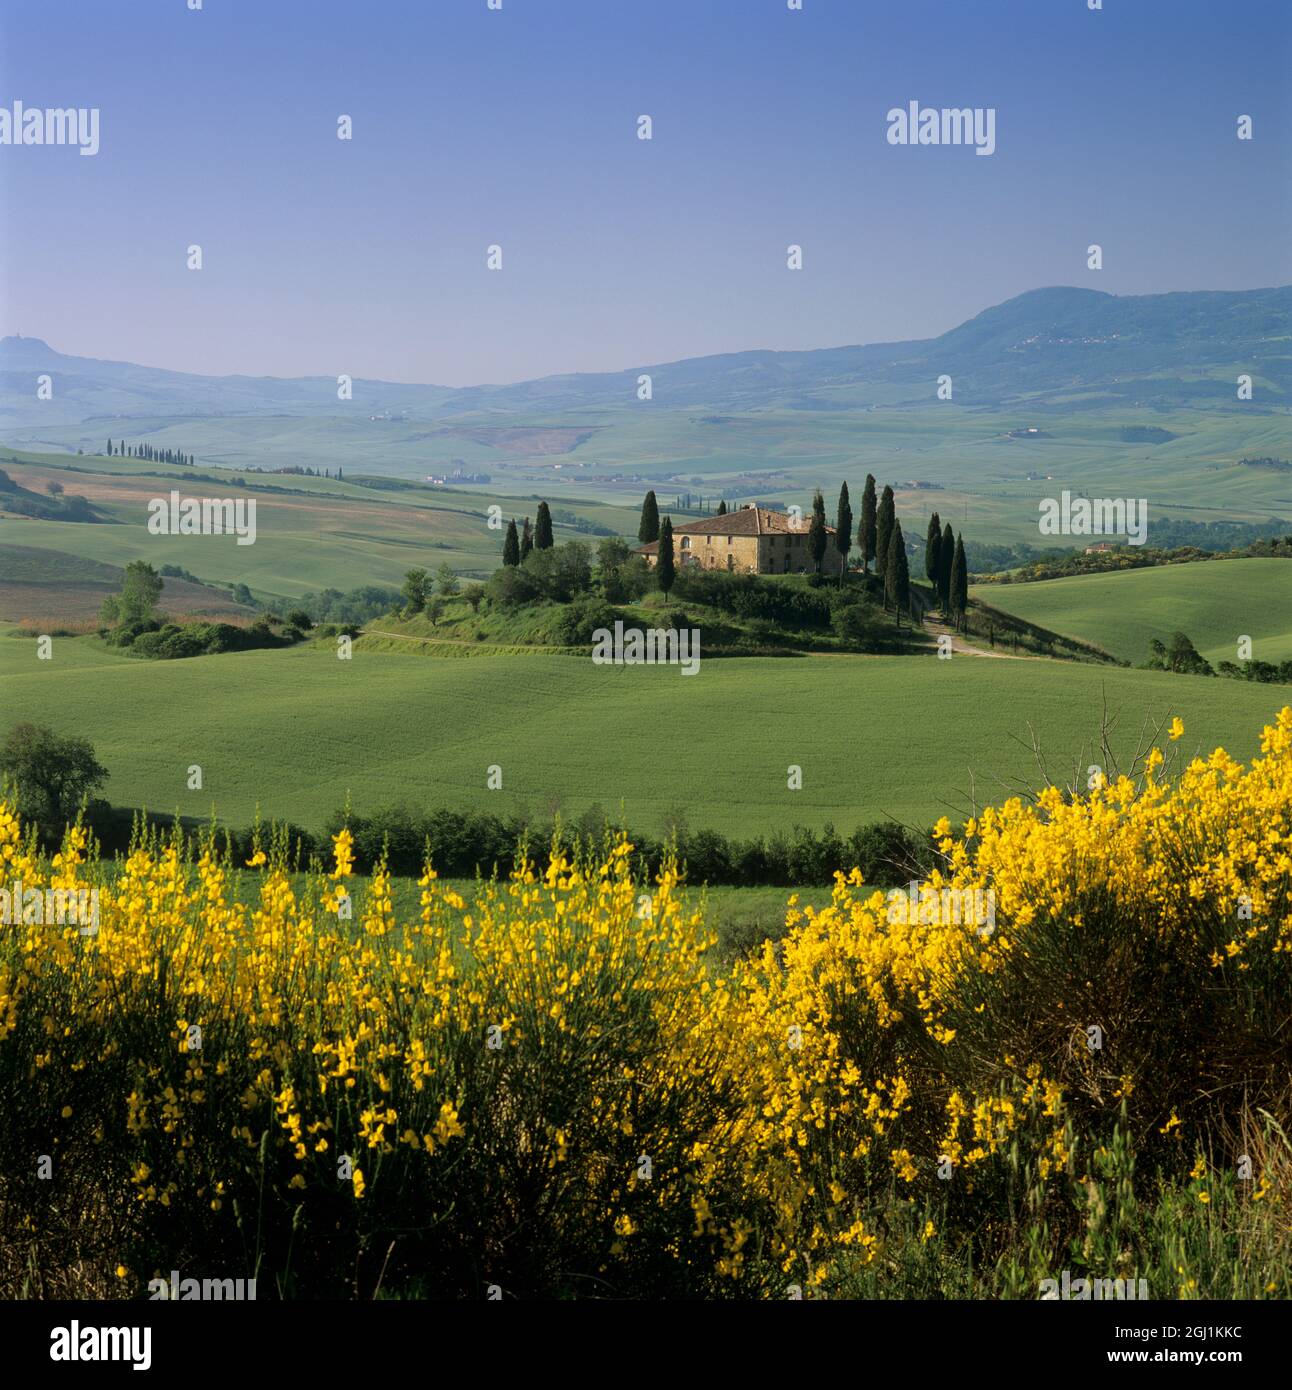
[
  {"x": 55, "y": 489},
  {"x": 932, "y": 544},
  {"x": 959, "y": 583},
  {"x": 446, "y": 582},
  {"x": 526, "y": 541},
  {"x": 474, "y": 594},
  {"x": 140, "y": 590},
  {"x": 664, "y": 570},
  {"x": 52, "y": 775},
  {"x": 722, "y": 507},
  {"x": 435, "y": 608},
  {"x": 415, "y": 590},
  {"x": 866, "y": 528},
  {"x": 511, "y": 545},
  {"x": 300, "y": 620},
  {"x": 843, "y": 529},
  {"x": 817, "y": 537},
  {"x": 648, "y": 530},
  {"x": 613, "y": 558},
  {"x": 543, "y": 528},
  {"x": 884, "y": 519}
]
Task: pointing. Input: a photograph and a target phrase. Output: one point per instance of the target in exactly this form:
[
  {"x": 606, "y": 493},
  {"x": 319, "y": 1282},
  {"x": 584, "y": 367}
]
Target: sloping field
[
  {"x": 50, "y": 586},
  {"x": 296, "y": 730},
  {"x": 1214, "y": 601}
]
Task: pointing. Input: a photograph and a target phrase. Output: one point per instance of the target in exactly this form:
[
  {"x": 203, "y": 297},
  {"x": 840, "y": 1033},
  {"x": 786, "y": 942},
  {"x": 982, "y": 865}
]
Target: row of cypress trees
[
  {"x": 947, "y": 571},
  {"x": 150, "y": 453},
  {"x": 517, "y": 545}
]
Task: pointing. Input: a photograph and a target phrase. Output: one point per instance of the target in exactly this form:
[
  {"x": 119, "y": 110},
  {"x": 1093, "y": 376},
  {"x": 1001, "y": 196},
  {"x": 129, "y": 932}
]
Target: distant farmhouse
[
  {"x": 459, "y": 475},
  {"x": 753, "y": 540}
]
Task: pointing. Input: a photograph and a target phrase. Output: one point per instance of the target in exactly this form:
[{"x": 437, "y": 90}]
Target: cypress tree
[
  {"x": 109, "y": 448},
  {"x": 946, "y": 559},
  {"x": 526, "y": 541},
  {"x": 816, "y": 532},
  {"x": 884, "y": 519},
  {"x": 511, "y": 546},
  {"x": 543, "y": 528},
  {"x": 843, "y": 529},
  {"x": 866, "y": 527},
  {"x": 648, "y": 530},
  {"x": 932, "y": 543},
  {"x": 722, "y": 507},
  {"x": 664, "y": 567},
  {"x": 959, "y": 582},
  {"x": 897, "y": 577}
]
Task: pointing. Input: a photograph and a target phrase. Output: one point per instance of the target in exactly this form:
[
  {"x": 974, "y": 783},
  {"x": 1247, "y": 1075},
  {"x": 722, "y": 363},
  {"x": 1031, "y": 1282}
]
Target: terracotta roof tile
[{"x": 746, "y": 521}]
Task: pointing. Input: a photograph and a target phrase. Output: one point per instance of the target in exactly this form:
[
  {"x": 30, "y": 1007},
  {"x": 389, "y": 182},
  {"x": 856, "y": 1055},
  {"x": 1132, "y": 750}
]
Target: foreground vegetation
[{"x": 550, "y": 1087}]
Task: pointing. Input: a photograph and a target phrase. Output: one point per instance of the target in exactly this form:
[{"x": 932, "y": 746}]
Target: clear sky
[{"x": 519, "y": 127}]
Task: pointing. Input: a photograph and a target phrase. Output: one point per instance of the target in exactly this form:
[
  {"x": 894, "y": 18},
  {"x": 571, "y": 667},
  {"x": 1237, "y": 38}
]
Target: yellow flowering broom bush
[{"x": 552, "y": 1086}]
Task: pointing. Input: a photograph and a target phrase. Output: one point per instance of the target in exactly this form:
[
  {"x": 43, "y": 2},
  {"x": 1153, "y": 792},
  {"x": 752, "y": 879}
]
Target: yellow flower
[{"x": 1176, "y": 730}]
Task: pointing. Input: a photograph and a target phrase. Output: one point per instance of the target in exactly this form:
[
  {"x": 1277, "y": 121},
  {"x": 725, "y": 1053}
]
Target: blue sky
[{"x": 518, "y": 127}]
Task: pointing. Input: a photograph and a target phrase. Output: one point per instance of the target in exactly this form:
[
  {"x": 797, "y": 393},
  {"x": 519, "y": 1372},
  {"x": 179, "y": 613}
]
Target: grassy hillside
[
  {"x": 42, "y": 588},
  {"x": 297, "y": 730},
  {"x": 312, "y": 533},
  {"x": 1215, "y": 602}
]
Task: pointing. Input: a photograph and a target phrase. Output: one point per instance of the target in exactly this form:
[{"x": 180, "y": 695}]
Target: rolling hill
[
  {"x": 1214, "y": 602},
  {"x": 295, "y": 731}
]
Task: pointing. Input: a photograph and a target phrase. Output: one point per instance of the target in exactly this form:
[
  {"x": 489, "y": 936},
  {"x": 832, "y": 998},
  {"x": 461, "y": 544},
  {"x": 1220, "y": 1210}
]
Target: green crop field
[
  {"x": 295, "y": 731},
  {"x": 311, "y": 533},
  {"x": 1214, "y": 602}
]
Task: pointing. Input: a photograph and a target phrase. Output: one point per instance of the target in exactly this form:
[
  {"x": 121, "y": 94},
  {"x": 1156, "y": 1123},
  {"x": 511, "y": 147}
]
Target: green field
[
  {"x": 1214, "y": 601},
  {"x": 312, "y": 533},
  {"x": 296, "y": 731}
]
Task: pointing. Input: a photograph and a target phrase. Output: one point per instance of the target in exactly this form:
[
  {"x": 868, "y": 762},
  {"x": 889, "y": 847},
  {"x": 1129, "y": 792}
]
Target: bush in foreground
[{"x": 554, "y": 1088}]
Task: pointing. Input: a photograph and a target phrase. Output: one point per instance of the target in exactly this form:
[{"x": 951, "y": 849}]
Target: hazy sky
[{"x": 519, "y": 127}]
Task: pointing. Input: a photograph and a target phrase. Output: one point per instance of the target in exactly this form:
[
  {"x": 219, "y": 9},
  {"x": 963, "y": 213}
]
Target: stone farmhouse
[{"x": 752, "y": 540}]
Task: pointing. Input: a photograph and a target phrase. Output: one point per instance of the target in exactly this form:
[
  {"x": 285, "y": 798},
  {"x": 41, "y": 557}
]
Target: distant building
[
  {"x": 457, "y": 476},
  {"x": 1099, "y": 547},
  {"x": 752, "y": 540}
]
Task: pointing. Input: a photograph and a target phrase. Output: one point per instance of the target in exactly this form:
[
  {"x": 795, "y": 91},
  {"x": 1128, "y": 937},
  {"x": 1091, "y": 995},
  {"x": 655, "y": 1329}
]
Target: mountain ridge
[{"x": 1047, "y": 346}]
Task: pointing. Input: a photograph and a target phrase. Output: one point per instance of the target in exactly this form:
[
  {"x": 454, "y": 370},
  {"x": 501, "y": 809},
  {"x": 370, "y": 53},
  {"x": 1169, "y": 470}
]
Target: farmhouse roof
[{"x": 747, "y": 521}]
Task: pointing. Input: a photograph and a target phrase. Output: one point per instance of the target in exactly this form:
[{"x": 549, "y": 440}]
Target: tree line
[{"x": 149, "y": 453}]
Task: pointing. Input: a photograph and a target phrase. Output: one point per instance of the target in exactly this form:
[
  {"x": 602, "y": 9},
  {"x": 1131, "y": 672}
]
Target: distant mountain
[{"x": 1051, "y": 348}]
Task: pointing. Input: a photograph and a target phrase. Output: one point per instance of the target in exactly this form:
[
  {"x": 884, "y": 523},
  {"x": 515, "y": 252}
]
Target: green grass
[
  {"x": 298, "y": 730},
  {"x": 1214, "y": 601},
  {"x": 312, "y": 533}
]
